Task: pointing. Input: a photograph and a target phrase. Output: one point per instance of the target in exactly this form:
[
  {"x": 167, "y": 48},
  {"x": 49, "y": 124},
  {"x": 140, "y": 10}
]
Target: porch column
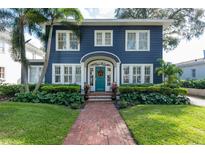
[
  {"x": 82, "y": 75},
  {"x": 118, "y": 73}
]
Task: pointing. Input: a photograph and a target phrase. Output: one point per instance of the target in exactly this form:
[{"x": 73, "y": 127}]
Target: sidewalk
[{"x": 197, "y": 101}]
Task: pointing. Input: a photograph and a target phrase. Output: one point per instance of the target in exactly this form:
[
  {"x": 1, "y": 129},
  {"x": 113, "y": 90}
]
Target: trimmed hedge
[
  {"x": 60, "y": 88},
  {"x": 74, "y": 100},
  {"x": 198, "y": 84},
  {"x": 151, "y": 89}
]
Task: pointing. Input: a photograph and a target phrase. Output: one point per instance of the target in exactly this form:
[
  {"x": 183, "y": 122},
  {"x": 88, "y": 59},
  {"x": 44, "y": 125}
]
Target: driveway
[
  {"x": 197, "y": 101},
  {"x": 99, "y": 123}
]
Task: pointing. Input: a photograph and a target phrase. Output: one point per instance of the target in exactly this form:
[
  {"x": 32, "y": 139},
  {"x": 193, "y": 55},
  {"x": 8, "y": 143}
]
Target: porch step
[{"x": 100, "y": 97}]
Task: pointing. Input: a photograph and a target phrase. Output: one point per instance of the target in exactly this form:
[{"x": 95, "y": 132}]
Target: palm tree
[
  {"x": 19, "y": 21},
  {"x": 53, "y": 16},
  {"x": 169, "y": 71}
]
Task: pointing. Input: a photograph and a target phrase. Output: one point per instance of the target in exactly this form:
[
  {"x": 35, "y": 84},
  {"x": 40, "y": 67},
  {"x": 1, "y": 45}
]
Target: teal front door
[{"x": 100, "y": 79}]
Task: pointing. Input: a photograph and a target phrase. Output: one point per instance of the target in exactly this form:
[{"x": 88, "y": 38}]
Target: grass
[
  {"x": 26, "y": 123},
  {"x": 166, "y": 124}
]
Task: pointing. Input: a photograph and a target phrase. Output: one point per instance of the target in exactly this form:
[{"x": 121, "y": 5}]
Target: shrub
[
  {"x": 60, "y": 88},
  {"x": 131, "y": 99},
  {"x": 198, "y": 84},
  {"x": 151, "y": 89},
  {"x": 10, "y": 90},
  {"x": 74, "y": 100}
]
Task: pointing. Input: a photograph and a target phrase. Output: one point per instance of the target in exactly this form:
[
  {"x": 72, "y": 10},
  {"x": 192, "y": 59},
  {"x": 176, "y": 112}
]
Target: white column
[
  {"x": 82, "y": 75},
  {"x": 118, "y": 73}
]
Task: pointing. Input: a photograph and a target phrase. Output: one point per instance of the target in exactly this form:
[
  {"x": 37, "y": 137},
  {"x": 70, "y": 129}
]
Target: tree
[
  {"x": 53, "y": 16},
  {"x": 188, "y": 23},
  {"x": 170, "y": 73},
  {"x": 18, "y": 21}
]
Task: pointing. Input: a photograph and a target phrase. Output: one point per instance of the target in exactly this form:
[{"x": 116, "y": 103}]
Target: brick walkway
[{"x": 99, "y": 123}]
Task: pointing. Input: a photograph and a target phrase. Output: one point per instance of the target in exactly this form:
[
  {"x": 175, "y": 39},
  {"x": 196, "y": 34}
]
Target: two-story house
[
  {"x": 124, "y": 51},
  {"x": 10, "y": 71}
]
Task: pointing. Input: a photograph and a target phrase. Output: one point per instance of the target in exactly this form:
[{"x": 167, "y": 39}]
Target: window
[
  {"x": 147, "y": 77},
  {"x": 78, "y": 74},
  {"x": 103, "y": 38},
  {"x": 34, "y": 73},
  {"x": 137, "y": 73},
  {"x": 126, "y": 72},
  {"x": 137, "y": 40},
  {"x": 66, "y": 73},
  {"x": 193, "y": 73},
  {"x": 66, "y": 41},
  {"x": 57, "y": 74},
  {"x": 2, "y": 46},
  {"x": 2, "y": 72}
]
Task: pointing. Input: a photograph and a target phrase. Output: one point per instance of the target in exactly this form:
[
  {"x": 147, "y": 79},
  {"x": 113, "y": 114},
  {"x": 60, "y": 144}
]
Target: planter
[{"x": 196, "y": 92}]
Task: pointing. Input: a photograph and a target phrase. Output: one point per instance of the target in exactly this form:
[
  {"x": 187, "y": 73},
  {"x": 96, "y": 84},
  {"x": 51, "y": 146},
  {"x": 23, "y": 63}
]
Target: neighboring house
[
  {"x": 10, "y": 71},
  {"x": 193, "y": 69},
  {"x": 124, "y": 51}
]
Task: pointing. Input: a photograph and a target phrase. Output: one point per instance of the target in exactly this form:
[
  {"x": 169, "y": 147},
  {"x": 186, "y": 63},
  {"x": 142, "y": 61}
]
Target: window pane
[
  {"x": 2, "y": 72},
  {"x": 91, "y": 76},
  {"x": 99, "y": 39},
  {"x": 147, "y": 74},
  {"x": 78, "y": 74},
  {"x": 108, "y": 38},
  {"x": 73, "y": 41},
  {"x": 193, "y": 73},
  {"x": 61, "y": 40},
  {"x": 57, "y": 74},
  {"x": 33, "y": 74},
  {"x": 126, "y": 74},
  {"x": 147, "y": 70},
  {"x": 143, "y": 40},
  {"x": 131, "y": 41},
  {"x": 109, "y": 73}
]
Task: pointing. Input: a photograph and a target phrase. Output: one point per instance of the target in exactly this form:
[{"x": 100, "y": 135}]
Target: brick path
[{"x": 99, "y": 123}]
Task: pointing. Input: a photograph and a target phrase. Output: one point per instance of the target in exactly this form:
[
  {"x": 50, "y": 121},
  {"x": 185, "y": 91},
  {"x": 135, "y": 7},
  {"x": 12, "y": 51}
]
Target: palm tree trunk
[
  {"x": 24, "y": 65},
  {"x": 45, "y": 66}
]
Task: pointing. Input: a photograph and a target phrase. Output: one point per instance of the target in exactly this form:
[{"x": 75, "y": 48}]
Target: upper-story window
[
  {"x": 67, "y": 40},
  {"x": 103, "y": 37},
  {"x": 2, "y": 48},
  {"x": 137, "y": 40}
]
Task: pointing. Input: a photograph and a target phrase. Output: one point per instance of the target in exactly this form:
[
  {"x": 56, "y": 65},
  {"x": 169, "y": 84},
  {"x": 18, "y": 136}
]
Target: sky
[{"x": 187, "y": 50}]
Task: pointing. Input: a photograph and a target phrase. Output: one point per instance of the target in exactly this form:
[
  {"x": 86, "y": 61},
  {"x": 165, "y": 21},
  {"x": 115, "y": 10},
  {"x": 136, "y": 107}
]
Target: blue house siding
[{"x": 118, "y": 48}]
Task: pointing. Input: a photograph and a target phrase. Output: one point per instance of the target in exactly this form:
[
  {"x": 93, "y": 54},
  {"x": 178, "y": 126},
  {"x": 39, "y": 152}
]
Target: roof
[
  {"x": 191, "y": 62},
  {"x": 119, "y": 22}
]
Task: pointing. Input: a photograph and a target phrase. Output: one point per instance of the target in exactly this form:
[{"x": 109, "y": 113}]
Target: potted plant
[
  {"x": 86, "y": 90},
  {"x": 114, "y": 88}
]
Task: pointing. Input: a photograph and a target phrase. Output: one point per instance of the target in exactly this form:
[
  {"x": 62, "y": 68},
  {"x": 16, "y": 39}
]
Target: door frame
[
  {"x": 104, "y": 87},
  {"x": 90, "y": 65}
]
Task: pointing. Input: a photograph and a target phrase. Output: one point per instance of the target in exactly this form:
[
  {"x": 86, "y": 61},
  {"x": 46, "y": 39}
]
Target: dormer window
[
  {"x": 137, "y": 40},
  {"x": 67, "y": 40},
  {"x": 103, "y": 38}
]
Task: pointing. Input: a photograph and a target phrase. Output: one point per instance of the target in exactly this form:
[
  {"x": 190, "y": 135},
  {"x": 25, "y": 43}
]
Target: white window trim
[
  {"x": 62, "y": 72},
  {"x": 67, "y": 41},
  {"x": 103, "y": 38},
  {"x": 137, "y": 39},
  {"x": 142, "y": 72},
  {"x": 37, "y": 66}
]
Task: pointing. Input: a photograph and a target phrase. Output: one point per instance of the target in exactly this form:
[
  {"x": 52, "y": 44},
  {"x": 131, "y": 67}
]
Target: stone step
[
  {"x": 100, "y": 100},
  {"x": 103, "y": 96},
  {"x": 100, "y": 94}
]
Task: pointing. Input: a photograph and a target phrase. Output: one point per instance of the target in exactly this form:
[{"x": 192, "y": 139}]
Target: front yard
[
  {"x": 166, "y": 124},
  {"x": 27, "y": 123}
]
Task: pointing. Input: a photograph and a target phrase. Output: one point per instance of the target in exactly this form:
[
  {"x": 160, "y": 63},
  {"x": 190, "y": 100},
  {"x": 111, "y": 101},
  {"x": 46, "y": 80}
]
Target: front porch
[{"x": 100, "y": 70}]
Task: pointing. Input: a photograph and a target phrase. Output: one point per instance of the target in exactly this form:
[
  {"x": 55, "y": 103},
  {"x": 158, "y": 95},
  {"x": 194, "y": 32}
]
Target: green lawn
[
  {"x": 166, "y": 124},
  {"x": 25, "y": 123}
]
